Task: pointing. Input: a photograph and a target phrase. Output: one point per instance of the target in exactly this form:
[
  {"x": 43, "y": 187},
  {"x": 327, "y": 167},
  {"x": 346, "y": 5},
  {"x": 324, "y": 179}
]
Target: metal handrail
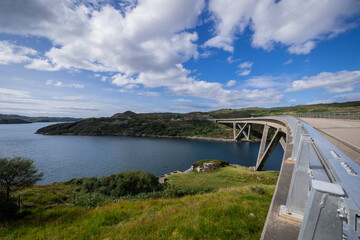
[
  {"x": 321, "y": 177},
  {"x": 349, "y": 114}
]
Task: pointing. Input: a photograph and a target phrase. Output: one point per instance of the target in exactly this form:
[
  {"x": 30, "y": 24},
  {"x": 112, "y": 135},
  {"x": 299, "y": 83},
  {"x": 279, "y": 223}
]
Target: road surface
[{"x": 344, "y": 134}]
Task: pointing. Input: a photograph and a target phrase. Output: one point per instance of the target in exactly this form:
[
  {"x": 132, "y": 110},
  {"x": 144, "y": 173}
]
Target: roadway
[{"x": 344, "y": 134}]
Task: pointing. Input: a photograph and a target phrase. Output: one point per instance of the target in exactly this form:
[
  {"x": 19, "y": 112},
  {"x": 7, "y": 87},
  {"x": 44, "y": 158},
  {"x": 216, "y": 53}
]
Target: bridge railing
[
  {"x": 351, "y": 114},
  {"x": 324, "y": 191}
]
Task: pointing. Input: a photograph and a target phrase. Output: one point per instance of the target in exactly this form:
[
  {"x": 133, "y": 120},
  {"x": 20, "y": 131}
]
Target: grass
[
  {"x": 221, "y": 214},
  {"x": 225, "y": 177}
]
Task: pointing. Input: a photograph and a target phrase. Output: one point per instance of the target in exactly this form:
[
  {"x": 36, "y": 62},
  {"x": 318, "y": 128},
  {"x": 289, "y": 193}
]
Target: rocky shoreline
[{"x": 161, "y": 136}]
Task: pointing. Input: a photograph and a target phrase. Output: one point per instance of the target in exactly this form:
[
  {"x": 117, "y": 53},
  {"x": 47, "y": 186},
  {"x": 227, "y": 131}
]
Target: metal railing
[
  {"x": 351, "y": 114},
  {"x": 324, "y": 191}
]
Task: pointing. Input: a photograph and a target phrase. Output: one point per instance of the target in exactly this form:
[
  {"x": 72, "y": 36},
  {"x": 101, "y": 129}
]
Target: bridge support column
[
  {"x": 263, "y": 156},
  {"x": 249, "y": 132},
  {"x": 242, "y": 128},
  {"x": 283, "y": 143}
]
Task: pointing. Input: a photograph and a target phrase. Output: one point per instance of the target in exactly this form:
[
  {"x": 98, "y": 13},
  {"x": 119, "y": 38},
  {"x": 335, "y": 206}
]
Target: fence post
[
  {"x": 321, "y": 220},
  {"x": 299, "y": 186}
]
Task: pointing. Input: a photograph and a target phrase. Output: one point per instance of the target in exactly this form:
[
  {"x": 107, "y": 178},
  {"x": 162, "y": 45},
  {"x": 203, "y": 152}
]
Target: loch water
[{"x": 65, "y": 157}]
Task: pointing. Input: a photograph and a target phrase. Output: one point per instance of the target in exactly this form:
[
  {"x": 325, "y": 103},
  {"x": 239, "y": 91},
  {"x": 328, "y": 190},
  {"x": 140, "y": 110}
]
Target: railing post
[
  {"x": 299, "y": 186},
  {"x": 321, "y": 220}
]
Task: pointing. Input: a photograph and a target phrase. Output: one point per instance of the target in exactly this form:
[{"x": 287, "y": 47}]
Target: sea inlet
[{"x": 65, "y": 157}]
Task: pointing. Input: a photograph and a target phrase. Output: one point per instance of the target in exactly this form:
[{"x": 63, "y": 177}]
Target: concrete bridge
[{"x": 318, "y": 191}]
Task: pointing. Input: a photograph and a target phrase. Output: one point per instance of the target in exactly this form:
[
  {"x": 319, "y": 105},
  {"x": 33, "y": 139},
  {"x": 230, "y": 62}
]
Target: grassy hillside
[
  {"x": 11, "y": 119},
  {"x": 258, "y": 112},
  {"x": 235, "y": 209},
  {"x": 140, "y": 125},
  {"x": 181, "y": 125}
]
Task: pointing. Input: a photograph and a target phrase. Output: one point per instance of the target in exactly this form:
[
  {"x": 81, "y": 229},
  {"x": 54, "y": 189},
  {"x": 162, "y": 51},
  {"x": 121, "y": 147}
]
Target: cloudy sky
[{"x": 95, "y": 58}]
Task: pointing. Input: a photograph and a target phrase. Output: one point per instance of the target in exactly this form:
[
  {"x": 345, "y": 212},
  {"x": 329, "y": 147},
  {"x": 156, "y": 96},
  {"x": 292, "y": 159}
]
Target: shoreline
[{"x": 159, "y": 136}]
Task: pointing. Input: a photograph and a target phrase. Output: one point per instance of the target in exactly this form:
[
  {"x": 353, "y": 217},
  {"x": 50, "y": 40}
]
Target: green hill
[
  {"x": 236, "y": 208},
  {"x": 13, "y": 119}
]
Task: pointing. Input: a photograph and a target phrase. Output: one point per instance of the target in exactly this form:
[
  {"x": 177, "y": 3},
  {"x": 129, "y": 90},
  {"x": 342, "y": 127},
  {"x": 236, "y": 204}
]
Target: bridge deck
[{"x": 344, "y": 134}]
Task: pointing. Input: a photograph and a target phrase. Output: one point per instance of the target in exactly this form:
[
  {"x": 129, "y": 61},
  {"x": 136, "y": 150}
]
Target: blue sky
[{"x": 91, "y": 58}]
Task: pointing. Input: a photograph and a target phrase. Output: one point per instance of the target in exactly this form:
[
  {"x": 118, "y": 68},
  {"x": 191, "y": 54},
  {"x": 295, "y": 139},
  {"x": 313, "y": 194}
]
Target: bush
[
  {"x": 258, "y": 190},
  {"x": 8, "y": 207},
  {"x": 121, "y": 184},
  {"x": 175, "y": 191}
]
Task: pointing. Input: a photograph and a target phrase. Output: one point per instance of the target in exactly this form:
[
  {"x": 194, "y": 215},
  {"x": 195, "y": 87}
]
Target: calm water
[{"x": 64, "y": 157}]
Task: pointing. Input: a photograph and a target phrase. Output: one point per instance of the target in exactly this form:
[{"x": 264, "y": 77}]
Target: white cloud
[
  {"x": 232, "y": 60},
  {"x": 61, "y": 84},
  {"x": 143, "y": 44},
  {"x": 6, "y": 93},
  {"x": 182, "y": 100},
  {"x": 288, "y": 61},
  {"x": 72, "y": 98},
  {"x": 263, "y": 82},
  {"x": 103, "y": 78},
  {"x": 278, "y": 22},
  {"x": 338, "y": 82},
  {"x": 244, "y": 72},
  {"x": 245, "y": 65},
  {"x": 43, "y": 65},
  {"x": 14, "y": 101},
  {"x": 149, "y": 36},
  {"x": 245, "y": 68},
  {"x": 338, "y": 98},
  {"x": 149, "y": 94},
  {"x": 230, "y": 83},
  {"x": 10, "y": 53},
  {"x": 292, "y": 101}
]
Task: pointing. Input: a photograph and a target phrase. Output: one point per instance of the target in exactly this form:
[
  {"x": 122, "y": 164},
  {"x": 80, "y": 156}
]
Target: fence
[
  {"x": 351, "y": 114},
  {"x": 324, "y": 190}
]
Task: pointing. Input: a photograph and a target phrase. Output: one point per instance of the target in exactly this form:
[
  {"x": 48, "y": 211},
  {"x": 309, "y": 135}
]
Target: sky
[{"x": 92, "y": 58}]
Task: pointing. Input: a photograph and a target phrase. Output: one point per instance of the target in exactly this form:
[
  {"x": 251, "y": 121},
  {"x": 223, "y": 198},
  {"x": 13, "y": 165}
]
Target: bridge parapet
[{"x": 324, "y": 190}]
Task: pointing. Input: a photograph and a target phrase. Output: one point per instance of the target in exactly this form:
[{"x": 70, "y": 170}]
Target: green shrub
[
  {"x": 176, "y": 191},
  {"x": 117, "y": 185},
  {"x": 258, "y": 190}
]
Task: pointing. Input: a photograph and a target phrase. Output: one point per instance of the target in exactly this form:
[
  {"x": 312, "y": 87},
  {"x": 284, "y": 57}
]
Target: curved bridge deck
[{"x": 318, "y": 191}]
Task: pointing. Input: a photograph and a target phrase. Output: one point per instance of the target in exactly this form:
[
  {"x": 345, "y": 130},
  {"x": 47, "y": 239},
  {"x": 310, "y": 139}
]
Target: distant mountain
[
  {"x": 291, "y": 110},
  {"x": 12, "y": 119}
]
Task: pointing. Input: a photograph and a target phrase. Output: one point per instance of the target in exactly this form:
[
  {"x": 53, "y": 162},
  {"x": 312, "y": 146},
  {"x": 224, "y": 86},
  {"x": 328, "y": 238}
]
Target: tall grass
[{"x": 223, "y": 213}]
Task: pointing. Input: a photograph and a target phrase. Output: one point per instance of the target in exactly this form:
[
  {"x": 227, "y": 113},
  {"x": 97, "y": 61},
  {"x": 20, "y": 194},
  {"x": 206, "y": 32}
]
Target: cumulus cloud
[
  {"x": 11, "y": 94},
  {"x": 263, "y": 82},
  {"x": 338, "y": 82},
  {"x": 182, "y": 100},
  {"x": 15, "y": 101},
  {"x": 288, "y": 61},
  {"x": 245, "y": 68},
  {"x": 143, "y": 44},
  {"x": 230, "y": 83},
  {"x": 177, "y": 82},
  {"x": 278, "y": 22},
  {"x": 150, "y": 35},
  {"x": 11, "y": 53},
  {"x": 148, "y": 94},
  {"x": 68, "y": 98},
  {"x": 338, "y": 98},
  {"x": 231, "y": 59},
  {"x": 61, "y": 84}
]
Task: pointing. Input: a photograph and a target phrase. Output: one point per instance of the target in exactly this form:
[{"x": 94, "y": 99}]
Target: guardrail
[
  {"x": 351, "y": 114},
  {"x": 325, "y": 187}
]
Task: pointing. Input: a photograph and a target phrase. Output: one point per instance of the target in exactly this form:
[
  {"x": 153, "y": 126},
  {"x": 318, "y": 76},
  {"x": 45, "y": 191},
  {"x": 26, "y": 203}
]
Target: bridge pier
[
  {"x": 242, "y": 131},
  {"x": 264, "y": 154}
]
